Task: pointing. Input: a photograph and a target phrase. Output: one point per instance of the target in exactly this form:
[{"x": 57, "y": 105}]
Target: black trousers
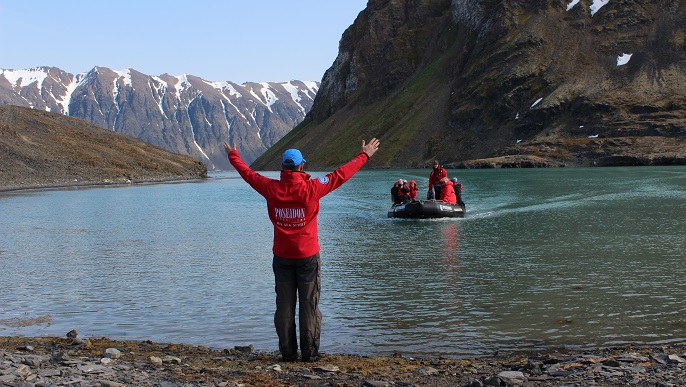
[{"x": 298, "y": 279}]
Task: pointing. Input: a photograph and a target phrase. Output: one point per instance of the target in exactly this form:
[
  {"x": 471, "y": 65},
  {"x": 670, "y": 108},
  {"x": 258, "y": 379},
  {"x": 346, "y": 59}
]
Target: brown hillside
[{"x": 41, "y": 149}]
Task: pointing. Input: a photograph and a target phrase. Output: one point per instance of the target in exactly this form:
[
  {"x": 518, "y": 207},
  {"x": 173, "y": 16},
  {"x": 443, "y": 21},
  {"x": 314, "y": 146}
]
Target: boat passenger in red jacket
[
  {"x": 293, "y": 205},
  {"x": 448, "y": 191},
  {"x": 413, "y": 189}
]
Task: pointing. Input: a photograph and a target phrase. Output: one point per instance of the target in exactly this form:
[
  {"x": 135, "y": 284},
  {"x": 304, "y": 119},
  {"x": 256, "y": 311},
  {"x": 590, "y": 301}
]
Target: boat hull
[{"x": 422, "y": 209}]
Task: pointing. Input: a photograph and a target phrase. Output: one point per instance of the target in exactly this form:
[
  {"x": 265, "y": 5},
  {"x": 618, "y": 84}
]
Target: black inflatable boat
[{"x": 421, "y": 209}]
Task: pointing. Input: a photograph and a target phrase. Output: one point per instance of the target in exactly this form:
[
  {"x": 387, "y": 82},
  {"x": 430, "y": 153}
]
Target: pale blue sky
[{"x": 230, "y": 40}]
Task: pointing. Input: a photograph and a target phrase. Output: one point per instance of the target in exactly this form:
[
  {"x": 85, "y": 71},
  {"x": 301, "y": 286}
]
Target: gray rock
[
  {"x": 60, "y": 357},
  {"x": 244, "y": 348},
  {"x": 376, "y": 383},
  {"x": 425, "y": 371},
  {"x": 155, "y": 360},
  {"x": 23, "y": 371},
  {"x": 8, "y": 378},
  {"x": 513, "y": 377},
  {"x": 49, "y": 372},
  {"x": 326, "y": 369},
  {"x": 34, "y": 361},
  {"x": 675, "y": 359},
  {"x": 171, "y": 360},
  {"x": 109, "y": 383},
  {"x": 112, "y": 353},
  {"x": 91, "y": 368},
  {"x": 493, "y": 381},
  {"x": 661, "y": 358}
]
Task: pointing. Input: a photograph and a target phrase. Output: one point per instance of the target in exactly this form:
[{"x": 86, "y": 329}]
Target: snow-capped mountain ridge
[{"x": 184, "y": 114}]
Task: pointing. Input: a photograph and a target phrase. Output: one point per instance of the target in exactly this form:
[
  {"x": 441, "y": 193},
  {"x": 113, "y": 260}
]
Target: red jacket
[
  {"x": 413, "y": 189},
  {"x": 436, "y": 176},
  {"x": 293, "y": 203},
  {"x": 448, "y": 193}
]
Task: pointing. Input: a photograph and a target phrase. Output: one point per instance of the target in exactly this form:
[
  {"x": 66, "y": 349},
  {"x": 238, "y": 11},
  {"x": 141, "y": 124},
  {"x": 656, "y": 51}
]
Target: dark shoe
[
  {"x": 311, "y": 359},
  {"x": 289, "y": 357}
]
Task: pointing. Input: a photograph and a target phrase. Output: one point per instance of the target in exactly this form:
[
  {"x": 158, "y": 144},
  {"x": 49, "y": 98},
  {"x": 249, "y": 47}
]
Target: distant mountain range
[{"x": 183, "y": 114}]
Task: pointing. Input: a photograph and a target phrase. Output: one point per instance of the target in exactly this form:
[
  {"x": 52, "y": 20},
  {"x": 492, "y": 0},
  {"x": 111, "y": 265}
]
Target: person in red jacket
[
  {"x": 413, "y": 189},
  {"x": 435, "y": 180},
  {"x": 448, "y": 191},
  {"x": 293, "y": 205}
]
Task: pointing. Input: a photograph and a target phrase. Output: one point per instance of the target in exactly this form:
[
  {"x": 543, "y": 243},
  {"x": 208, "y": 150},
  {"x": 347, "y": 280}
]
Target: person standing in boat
[
  {"x": 293, "y": 205},
  {"x": 448, "y": 191},
  {"x": 435, "y": 180},
  {"x": 413, "y": 190}
]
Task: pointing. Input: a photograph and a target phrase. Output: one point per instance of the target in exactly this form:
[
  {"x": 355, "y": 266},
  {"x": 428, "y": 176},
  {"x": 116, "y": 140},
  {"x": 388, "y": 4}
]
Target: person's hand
[
  {"x": 228, "y": 148},
  {"x": 370, "y": 148}
]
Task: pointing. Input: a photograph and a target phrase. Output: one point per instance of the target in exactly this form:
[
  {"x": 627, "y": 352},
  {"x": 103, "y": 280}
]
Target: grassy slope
[{"x": 406, "y": 120}]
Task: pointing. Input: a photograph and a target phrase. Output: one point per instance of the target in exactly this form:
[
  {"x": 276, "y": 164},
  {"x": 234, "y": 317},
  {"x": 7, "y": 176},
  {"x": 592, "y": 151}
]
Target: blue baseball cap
[{"x": 292, "y": 158}]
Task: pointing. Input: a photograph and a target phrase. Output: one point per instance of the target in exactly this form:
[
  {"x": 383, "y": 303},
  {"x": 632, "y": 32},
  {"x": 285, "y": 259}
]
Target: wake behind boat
[{"x": 422, "y": 209}]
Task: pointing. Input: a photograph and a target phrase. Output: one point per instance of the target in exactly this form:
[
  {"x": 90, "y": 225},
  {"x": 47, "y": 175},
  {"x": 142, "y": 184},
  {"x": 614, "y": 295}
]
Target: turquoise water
[{"x": 544, "y": 258}]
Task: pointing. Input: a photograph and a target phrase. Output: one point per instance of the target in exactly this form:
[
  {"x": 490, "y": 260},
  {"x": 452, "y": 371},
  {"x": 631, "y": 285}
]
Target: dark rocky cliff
[{"x": 503, "y": 83}]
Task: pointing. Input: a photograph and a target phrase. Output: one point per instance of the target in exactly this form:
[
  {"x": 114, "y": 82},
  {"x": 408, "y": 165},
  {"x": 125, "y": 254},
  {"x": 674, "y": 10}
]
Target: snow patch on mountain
[
  {"x": 295, "y": 95},
  {"x": 71, "y": 86},
  {"x": 269, "y": 96},
  {"x": 24, "y": 78},
  {"x": 126, "y": 76},
  {"x": 623, "y": 59},
  {"x": 597, "y": 4}
]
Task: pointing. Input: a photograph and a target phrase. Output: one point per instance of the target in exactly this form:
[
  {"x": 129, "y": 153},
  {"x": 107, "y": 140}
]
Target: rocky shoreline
[
  {"x": 70, "y": 361},
  {"x": 65, "y": 183}
]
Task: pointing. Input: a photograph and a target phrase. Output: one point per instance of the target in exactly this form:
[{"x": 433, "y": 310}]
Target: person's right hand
[
  {"x": 370, "y": 148},
  {"x": 228, "y": 148}
]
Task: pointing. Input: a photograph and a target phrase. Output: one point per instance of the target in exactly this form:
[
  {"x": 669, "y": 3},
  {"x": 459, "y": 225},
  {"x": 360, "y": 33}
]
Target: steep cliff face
[
  {"x": 471, "y": 79},
  {"x": 578, "y": 70},
  {"x": 184, "y": 114}
]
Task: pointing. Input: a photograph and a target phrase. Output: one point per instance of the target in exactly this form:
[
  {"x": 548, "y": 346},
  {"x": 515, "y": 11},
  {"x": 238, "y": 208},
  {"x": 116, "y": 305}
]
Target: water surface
[{"x": 544, "y": 258}]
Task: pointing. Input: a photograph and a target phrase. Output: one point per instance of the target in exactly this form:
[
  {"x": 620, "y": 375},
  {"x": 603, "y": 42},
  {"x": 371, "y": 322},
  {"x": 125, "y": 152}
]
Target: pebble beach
[{"x": 74, "y": 361}]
